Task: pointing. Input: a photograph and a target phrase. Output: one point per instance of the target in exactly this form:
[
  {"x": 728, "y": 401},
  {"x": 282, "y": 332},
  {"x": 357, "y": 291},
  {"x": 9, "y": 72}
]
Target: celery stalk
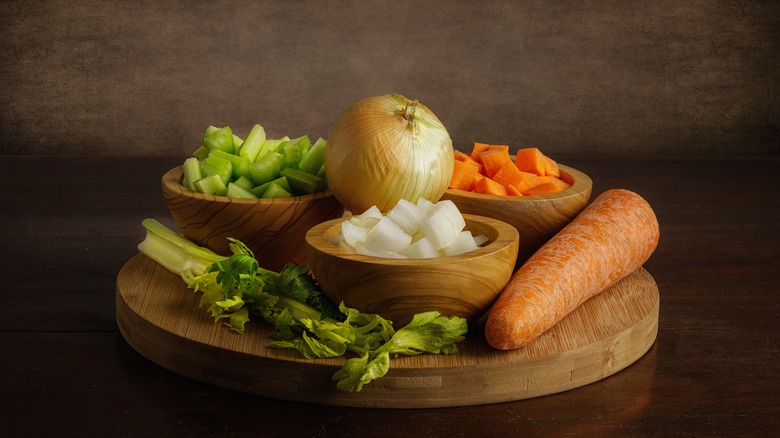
[{"x": 175, "y": 252}]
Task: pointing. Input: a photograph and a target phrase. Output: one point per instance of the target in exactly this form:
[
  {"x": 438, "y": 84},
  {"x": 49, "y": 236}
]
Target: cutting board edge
[{"x": 303, "y": 382}]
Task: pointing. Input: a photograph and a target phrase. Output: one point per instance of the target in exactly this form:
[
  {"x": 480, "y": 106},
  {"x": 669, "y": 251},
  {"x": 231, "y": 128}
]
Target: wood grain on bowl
[
  {"x": 536, "y": 218},
  {"x": 463, "y": 285},
  {"x": 274, "y": 229}
]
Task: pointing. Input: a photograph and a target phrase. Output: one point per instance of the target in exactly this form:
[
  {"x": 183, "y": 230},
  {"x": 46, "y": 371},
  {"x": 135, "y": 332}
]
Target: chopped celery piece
[
  {"x": 210, "y": 130},
  {"x": 294, "y": 149},
  {"x": 282, "y": 182},
  {"x": 215, "y": 165},
  {"x": 221, "y": 139},
  {"x": 302, "y": 182},
  {"x": 260, "y": 190},
  {"x": 276, "y": 191},
  {"x": 244, "y": 182},
  {"x": 321, "y": 173},
  {"x": 237, "y": 142},
  {"x": 267, "y": 168},
  {"x": 211, "y": 185},
  {"x": 201, "y": 153},
  {"x": 275, "y": 145},
  {"x": 314, "y": 158},
  {"x": 191, "y": 172},
  {"x": 253, "y": 144},
  {"x": 240, "y": 164},
  {"x": 234, "y": 191}
]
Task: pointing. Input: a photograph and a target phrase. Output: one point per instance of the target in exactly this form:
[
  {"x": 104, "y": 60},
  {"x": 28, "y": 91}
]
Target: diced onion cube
[
  {"x": 481, "y": 239},
  {"x": 421, "y": 249},
  {"x": 353, "y": 234},
  {"x": 407, "y": 215},
  {"x": 387, "y": 235},
  {"x": 443, "y": 225},
  {"x": 462, "y": 244},
  {"x": 380, "y": 253},
  {"x": 365, "y": 218}
]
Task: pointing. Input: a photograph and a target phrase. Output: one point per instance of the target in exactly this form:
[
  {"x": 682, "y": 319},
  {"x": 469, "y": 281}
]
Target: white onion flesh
[
  {"x": 422, "y": 230},
  {"x": 443, "y": 225},
  {"x": 386, "y": 148}
]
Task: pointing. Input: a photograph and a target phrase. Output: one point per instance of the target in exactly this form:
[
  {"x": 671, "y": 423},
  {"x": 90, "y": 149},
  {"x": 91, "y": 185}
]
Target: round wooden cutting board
[{"x": 159, "y": 317}]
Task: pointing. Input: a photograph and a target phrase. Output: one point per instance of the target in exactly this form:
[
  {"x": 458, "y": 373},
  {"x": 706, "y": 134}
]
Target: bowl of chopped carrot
[
  {"x": 528, "y": 190},
  {"x": 464, "y": 285}
]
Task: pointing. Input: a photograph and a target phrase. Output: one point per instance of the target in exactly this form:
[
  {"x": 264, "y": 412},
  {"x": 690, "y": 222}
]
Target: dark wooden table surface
[{"x": 69, "y": 224}]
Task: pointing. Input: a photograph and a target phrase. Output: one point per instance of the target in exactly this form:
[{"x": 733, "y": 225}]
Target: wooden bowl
[
  {"x": 536, "y": 218},
  {"x": 464, "y": 285},
  {"x": 274, "y": 229}
]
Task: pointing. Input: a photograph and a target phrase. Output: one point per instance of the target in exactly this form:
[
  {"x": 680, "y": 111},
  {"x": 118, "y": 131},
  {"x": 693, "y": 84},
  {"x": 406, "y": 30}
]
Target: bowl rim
[
  {"x": 507, "y": 237},
  {"x": 582, "y": 183},
  {"x": 171, "y": 182}
]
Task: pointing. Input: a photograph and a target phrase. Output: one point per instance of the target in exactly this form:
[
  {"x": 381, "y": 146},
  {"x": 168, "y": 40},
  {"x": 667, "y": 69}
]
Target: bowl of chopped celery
[
  {"x": 465, "y": 284},
  {"x": 264, "y": 192},
  {"x": 273, "y": 228}
]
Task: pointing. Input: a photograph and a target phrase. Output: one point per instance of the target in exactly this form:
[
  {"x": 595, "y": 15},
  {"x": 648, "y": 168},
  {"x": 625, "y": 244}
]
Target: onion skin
[{"x": 386, "y": 148}]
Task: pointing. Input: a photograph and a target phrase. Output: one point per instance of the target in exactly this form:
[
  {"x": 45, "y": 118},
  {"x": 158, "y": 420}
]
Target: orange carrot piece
[
  {"x": 541, "y": 189},
  {"x": 466, "y": 158},
  {"x": 527, "y": 180},
  {"x": 512, "y": 191},
  {"x": 617, "y": 233},
  {"x": 462, "y": 175},
  {"x": 530, "y": 160},
  {"x": 460, "y": 156},
  {"x": 499, "y": 146},
  {"x": 551, "y": 167},
  {"x": 489, "y": 187},
  {"x": 493, "y": 160},
  {"x": 553, "y": 185},
  {"x": 508, "y": 175},
  {"x": 477, "y": 178},
  {"x": 478, "y": 148}
]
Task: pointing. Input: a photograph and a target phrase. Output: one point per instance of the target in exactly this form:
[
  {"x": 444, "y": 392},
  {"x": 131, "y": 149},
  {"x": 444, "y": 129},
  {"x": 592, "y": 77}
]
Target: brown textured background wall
[{"x": 606, "y": 77}]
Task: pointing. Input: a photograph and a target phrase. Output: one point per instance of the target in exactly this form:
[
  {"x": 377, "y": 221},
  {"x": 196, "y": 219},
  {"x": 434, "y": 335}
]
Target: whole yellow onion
[{"x": 386, "y": 148}]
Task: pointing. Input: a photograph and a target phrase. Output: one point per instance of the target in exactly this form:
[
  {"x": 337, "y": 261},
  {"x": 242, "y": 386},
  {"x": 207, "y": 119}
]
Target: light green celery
[
  {"x": 267, "y": 168},
  {"x": 216, "y": 165},
  {"x": 210, "y": 130},
  {"x": 221, "y": 139},
  {"x": 276, "y": 191},
  {"x": 239, "y": 165},
  {"x": 191, "y": 172},
  {"x": 201, "y": 153},
  {"x": 211, "y": 185},
  {"x": 294, "y": 150},
  {"x": 175, "y": 252},
  {"x": 235, "y": 191},
  {"x": 253, "y": 144},
  {"x": 244, "y": 182},
  {"x": 237, "y": 142},
  {"x": 302, "y": 182},
  {"x": 314, "y": 158}
]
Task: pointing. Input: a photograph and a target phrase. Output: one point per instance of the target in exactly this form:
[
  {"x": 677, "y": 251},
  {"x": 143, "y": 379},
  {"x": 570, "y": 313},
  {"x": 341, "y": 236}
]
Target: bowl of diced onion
[{"x": 415, "y": 258}]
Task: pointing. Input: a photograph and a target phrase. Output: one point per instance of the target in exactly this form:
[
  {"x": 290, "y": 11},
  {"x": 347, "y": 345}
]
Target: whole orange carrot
[{"x": 610, "y": 239}]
